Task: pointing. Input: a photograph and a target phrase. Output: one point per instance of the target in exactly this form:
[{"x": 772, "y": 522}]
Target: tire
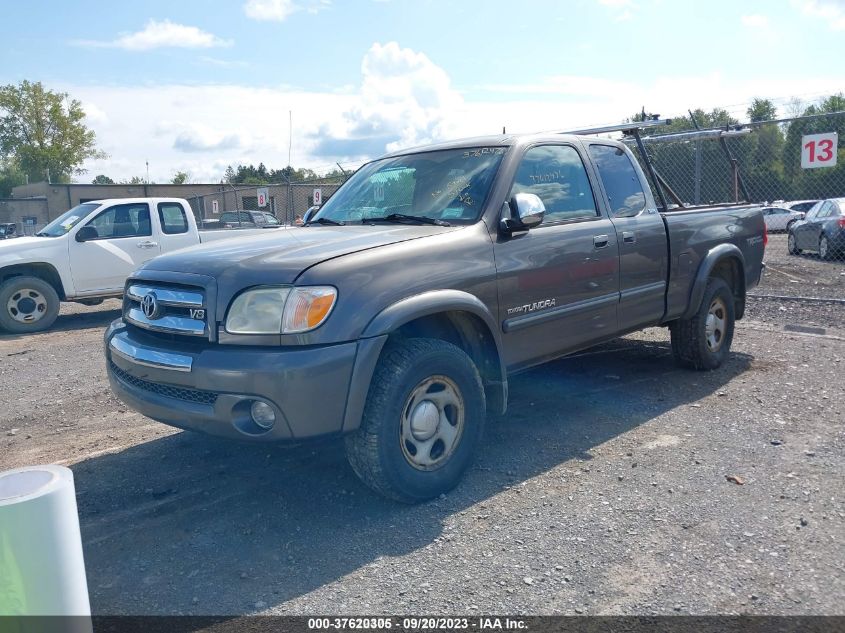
[
  {"x": 792, "y": 244},
  {"x": 395, "y": 452},
  {"x": 825, "y": 251},
  {"x": 701, "y": 342},
  {"x": 27, "y": 304},
  {"x": 789, "y": 225}
]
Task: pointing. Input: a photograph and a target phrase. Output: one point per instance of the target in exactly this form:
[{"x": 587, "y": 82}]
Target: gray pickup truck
[{"x": 396, "y": 315}]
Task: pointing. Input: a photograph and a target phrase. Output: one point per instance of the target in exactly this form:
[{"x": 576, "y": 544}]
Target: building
[{"x": 34, "y": 205}]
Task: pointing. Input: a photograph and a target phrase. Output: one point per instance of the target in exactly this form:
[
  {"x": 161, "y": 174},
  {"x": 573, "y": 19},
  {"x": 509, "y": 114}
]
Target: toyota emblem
[{"x": 149, "y": 304}]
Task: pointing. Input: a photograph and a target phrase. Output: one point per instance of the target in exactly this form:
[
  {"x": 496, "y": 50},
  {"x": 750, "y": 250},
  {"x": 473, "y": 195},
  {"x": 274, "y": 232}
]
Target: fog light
[{"x": 262, "y": 414}]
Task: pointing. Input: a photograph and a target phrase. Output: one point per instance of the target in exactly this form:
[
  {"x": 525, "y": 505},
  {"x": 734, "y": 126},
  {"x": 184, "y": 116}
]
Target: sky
[{"x": 196, "y": 86}]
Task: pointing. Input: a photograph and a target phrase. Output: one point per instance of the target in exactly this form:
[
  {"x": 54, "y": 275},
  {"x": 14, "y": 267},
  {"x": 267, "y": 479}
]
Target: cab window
[
  {"x": 621, "y": 182},
  {"x": 557, "y": 175},
  {"x": 173, "y": 218}
]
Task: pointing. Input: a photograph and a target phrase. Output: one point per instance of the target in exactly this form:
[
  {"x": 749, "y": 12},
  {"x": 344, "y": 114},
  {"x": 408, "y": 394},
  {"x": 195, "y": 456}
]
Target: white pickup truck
[{"x": 86, "y": 254}]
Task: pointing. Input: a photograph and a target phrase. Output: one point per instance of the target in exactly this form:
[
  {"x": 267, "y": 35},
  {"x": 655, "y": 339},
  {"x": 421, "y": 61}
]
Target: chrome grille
[
  {"x": 177, "y": 310},
  {"x": 170, "y": 391}
]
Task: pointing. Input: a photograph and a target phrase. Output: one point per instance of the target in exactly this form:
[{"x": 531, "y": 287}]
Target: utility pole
[
  {"x": 697, "y": 175},
  {"x": 148, "y": 172}
]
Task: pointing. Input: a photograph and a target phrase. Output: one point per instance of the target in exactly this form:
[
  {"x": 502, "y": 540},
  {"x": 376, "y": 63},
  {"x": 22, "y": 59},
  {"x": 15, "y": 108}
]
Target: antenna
[{"x": 290, "y": 135}]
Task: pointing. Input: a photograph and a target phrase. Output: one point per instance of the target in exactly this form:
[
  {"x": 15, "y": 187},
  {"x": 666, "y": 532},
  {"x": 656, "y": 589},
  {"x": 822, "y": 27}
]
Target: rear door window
[
  {"x": 172, "y": 217},
  {"x": 621, "y": 182}
]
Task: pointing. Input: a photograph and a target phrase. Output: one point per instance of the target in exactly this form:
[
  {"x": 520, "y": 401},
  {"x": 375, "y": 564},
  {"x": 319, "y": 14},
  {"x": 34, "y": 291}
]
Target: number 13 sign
[{"x": 819, "y": 150}]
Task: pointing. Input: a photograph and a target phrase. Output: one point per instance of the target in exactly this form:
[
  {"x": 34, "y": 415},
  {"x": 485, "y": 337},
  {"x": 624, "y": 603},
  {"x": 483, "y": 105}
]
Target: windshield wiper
[
  {"x": 326, "y": 221},
  {"x": 399, "y": 217},
  {"x": 42, "y": 234}
]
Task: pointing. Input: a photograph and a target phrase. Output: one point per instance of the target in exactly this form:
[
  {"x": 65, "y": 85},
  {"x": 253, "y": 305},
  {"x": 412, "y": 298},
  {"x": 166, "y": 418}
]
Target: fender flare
[
  {"x": 61, "y": 290},
  {"x": 714, "y": 257},
  {"x": 375, "y": 335},
  {"x": 434, "y": 302}
]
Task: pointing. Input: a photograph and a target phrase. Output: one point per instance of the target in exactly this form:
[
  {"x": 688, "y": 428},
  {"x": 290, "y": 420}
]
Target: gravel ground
[
  {"x": 800, "y": 275},
  {"x": 605, "y": 490}
]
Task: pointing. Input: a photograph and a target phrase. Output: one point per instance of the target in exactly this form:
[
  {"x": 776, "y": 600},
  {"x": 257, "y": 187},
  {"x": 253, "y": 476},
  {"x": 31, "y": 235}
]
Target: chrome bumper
[{"x": 147, "y": 356}]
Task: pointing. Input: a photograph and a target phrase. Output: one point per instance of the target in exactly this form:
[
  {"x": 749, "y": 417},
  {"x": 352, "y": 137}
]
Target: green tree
[
  {"x": 135, "y": 180},
  {"x": 44, "y": 132},
  {"x": 761, "y": 110},
  {"x": 10, "y": 176},
  {"x": 180, "y": 178},
  {"x": 102, "y": 180}
]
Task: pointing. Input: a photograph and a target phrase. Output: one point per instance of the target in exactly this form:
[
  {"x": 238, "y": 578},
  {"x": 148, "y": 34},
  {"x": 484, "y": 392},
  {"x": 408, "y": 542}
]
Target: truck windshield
[
  {"x": 67, "y": 220},
  {"x": 448, "y": 185}
]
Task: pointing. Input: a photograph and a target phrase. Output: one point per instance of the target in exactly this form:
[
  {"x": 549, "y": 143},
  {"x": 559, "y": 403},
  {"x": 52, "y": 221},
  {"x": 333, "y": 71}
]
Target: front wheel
[
  {"x": 422, "y": 422},
  {"x": 792, "y": 245},
  {"x": 27, "y": 304},
  {"x": 704, "y": 340}
]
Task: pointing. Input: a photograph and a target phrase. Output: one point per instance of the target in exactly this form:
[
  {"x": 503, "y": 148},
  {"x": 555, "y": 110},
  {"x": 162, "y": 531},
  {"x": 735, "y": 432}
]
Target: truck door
[
  {"x": 643, "y": 248},
  {"x": 558, "y": 282},
  {"x": 176, "y": 231},
  {"x": 124, "y": 240}
]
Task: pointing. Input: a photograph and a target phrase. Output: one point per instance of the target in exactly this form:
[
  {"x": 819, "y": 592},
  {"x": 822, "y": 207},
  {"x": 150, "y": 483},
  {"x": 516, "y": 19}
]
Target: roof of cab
[
  {"x": 494, "y": 140},
  {"x": 154, "y": 199}
]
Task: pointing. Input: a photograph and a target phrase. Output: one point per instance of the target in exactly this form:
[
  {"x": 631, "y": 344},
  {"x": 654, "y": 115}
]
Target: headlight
[{"x": 280, "y": 310}]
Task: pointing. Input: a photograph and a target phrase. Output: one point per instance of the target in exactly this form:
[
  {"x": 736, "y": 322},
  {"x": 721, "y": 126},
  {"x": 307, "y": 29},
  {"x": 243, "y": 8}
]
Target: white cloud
[
  {"x": 221, "y": 63},
  {"x": 163, "y": 34},
  {"x": 755, "y": 21},
  {"x": 403, "y": 98},
  {"x": 279, "y": 10},
  {"x": 201, "y": 138},
  {"x": 624, "y": 9},
  {"x": 831, "y": 11}
]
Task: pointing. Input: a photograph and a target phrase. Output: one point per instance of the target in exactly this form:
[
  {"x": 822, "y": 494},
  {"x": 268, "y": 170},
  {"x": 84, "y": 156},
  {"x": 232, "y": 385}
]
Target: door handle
[
  {"x": 600, "y": 241},
  {"x": 147, "y": 244},
  {"x": 629, "y": 237}
]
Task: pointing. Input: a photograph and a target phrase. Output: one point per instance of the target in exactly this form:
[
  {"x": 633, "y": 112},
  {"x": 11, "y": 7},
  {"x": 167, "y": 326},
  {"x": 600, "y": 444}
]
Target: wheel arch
[
  {"x": 451, "y": 315},
  {"x": 726, "y": 262},
  {"x": 41, "y": 270}
]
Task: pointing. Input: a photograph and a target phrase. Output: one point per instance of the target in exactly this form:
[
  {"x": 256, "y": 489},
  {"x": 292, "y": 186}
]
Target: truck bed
[{"x": 692, "y": 233}]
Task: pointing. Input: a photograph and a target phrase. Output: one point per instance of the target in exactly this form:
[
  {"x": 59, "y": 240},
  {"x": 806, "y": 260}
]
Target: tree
[
  {"x": 10, "y": 176},
  {"x": 135, "y": 180},
  {"x": 44, "y": 132},
  {"x": 102, "y": 180},
  {"x": 761, "y": 110},
  {"x": 229, "y": 175},
  {"x": 180, "y": 178}
]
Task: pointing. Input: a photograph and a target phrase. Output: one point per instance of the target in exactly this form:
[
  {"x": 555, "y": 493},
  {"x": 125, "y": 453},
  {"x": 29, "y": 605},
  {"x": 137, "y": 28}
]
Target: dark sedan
[{"x": 821, "y": 231}]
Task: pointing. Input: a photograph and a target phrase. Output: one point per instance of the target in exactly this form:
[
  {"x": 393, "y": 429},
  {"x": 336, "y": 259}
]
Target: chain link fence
[
  {"x": 244, "y": 204},
  {"x": 794, "y": 168}
]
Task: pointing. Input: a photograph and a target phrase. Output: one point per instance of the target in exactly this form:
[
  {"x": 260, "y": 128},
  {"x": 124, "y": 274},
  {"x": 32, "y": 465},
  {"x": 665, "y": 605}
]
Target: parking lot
[{"x": 616, "y": 484}]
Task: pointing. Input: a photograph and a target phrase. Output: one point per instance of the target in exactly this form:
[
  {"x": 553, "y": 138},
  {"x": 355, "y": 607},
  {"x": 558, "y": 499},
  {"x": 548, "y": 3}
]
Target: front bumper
[{"x": 211, "y": 388}]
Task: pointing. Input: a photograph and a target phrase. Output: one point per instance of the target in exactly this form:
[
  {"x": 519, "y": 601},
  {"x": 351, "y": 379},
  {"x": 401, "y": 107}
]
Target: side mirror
[
  {"x": 312, "y": 211},
  {"x": 86, "y": 233},
  {"x": 523, "y": 212}
]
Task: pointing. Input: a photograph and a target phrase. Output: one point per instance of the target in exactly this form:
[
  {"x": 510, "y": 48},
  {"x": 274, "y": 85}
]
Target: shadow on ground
[{"x": 190, "y": 516}]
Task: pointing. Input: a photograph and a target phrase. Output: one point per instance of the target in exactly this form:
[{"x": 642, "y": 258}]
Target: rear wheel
[
  {"x": 27, "y": 304},
  {"x": 824, "y": 248},
  {"x": 422, "y": 422},
  {"x": 704, "y": 341},
  {"x": 792, "y": 245}
]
